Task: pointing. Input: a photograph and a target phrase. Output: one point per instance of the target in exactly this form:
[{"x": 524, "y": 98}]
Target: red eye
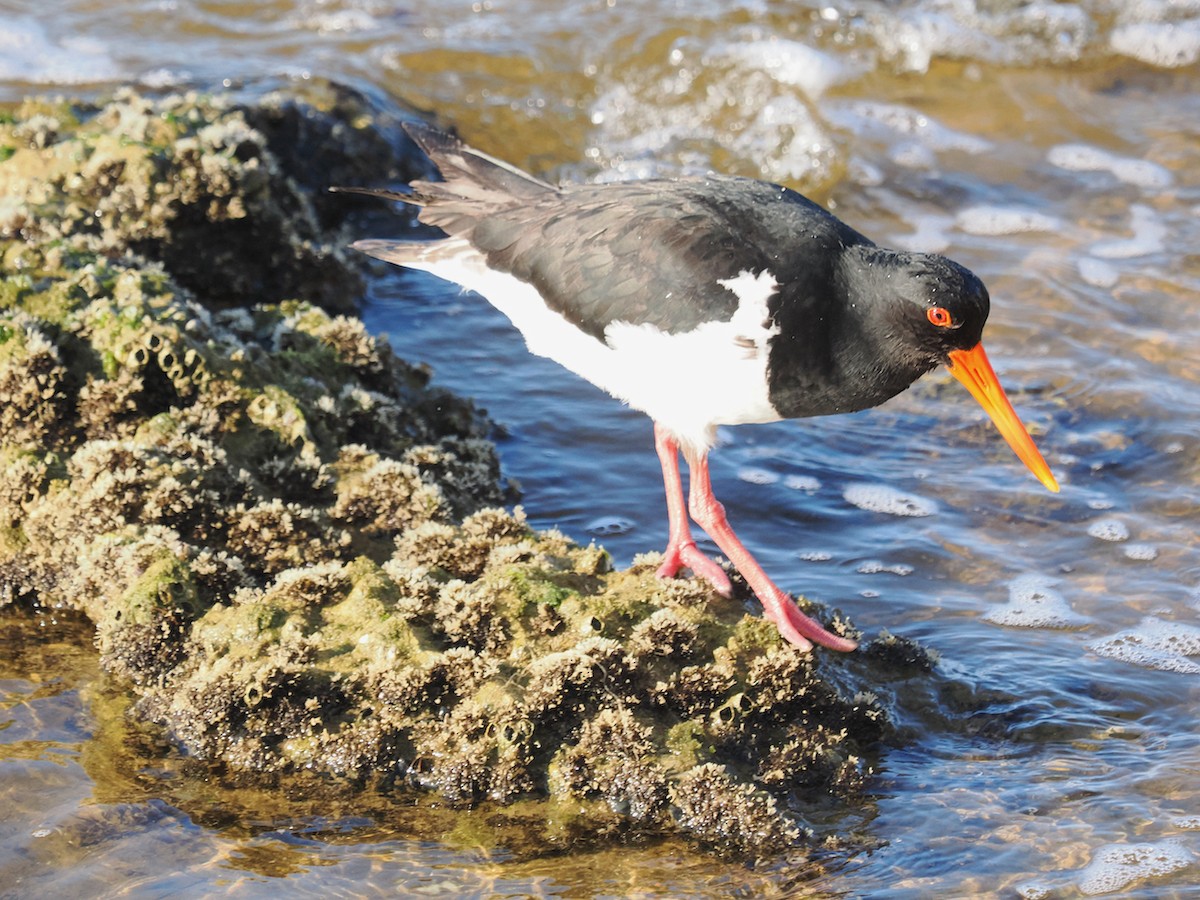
[{"x": 939, "y": 317}]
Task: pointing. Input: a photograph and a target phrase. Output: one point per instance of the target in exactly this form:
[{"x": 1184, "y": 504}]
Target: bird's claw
[
  {"x": 688, "y": 556},
  {"x": 798, "y": 629}
]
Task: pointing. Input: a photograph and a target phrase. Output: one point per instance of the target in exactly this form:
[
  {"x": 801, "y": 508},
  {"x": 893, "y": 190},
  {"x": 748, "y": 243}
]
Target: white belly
[{"x": 688, "y": 382}]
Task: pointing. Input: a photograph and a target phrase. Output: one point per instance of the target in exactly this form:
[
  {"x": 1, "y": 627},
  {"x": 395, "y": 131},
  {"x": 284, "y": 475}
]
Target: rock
[{"x": 291, "y": 546}]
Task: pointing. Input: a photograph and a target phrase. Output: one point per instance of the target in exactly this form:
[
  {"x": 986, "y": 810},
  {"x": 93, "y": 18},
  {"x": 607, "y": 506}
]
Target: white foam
[
  {"x": 929, "y": 234},
  {"x": 1034, "y": 603},
  {"x": 1155, "y": 644},
  {"x": 816, "y": 555},
  {"x": 883, "y": 499},
  {"x": 801, "y": 145},
  {"x": 995, "y": 220},
  {"x": 1149, "y": 235},
  {"x": 1117, "y": 866},
  {"x": 860, "y": 171},
  {"x": 912, "y": 43},
  {"x": 1035, "y": 890},
  {"x": 805, "y": 483},
  {"x": 1165, "y": 44},
  {"x": 1086, "y": 158},
  {"x": 657, "y": 126},
  {"x": 607, "y": 526},
  {"x": 897, "y": 119},
  {"x": 1098, "y": 273},
  {"x": 754, "y": 475},
  {"x": 910, "y": 36},
  {"x": 1142, "y": 552},
  {"x": 345, "y": 21},
  {"x": 163, "y": 78},
  {"x": 29, "y": 54},
  {"x": 788, "y": 62},
  {"x": 876, "y": 567},
  {"x": 1109, "y": 530},
  {"x": 912, "y": 155}
]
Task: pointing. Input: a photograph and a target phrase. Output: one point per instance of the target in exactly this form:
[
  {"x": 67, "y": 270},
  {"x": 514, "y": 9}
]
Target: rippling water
[{"x": 1052, "y": 147}]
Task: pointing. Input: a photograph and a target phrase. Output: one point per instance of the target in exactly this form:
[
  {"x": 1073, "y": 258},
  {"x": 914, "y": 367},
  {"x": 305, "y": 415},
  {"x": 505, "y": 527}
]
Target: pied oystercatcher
[{"x": 703, "y": 302}]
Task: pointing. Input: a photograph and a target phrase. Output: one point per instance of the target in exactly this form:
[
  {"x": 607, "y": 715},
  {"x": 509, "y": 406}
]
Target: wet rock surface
[{"x": 291, "y": 547}]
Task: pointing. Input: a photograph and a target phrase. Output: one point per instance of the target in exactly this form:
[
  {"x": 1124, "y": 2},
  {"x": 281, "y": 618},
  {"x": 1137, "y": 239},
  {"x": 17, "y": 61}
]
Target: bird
[{"x": 703, "y": 301}]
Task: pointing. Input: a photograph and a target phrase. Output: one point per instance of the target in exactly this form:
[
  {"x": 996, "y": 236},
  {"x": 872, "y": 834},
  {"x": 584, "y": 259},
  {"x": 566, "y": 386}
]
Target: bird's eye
[{"x": 939, "y": 317}]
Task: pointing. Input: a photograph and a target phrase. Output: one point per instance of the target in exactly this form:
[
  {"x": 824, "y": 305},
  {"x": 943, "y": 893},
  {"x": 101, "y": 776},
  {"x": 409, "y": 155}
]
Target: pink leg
[
  {"x": 682, "y": 552},
  {"x": 778, "y": 607}
]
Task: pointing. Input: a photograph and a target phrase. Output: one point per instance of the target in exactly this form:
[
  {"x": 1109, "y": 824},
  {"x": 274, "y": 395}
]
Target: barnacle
[
  {"x": 291, "y": 544},
  {"x": 460, "y": 551},
  {"x": 730, "y": 814},
  {"x": 384, "y": 496},
  {"x": 614, "y": 758},
  {"x": 32, "y": 397}
]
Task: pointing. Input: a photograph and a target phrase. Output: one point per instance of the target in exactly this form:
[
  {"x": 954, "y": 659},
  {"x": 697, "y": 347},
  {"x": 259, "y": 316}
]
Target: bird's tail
[
  {"x": 472, "y": 181},
  {"x": 424, "y": 255},
  {"x": 470, "y": 174}
]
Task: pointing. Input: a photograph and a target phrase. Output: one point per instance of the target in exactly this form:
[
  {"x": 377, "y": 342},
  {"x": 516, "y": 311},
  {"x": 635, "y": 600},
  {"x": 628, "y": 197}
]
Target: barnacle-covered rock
[
  {"x": 32, "y": 396},
  {"x": 695, "y": 690},
  {"x": 196, "y": 182},
  {"x": 384, "y": 496},
  {"x": 730, "y": 814},
  {"x": 290, "y": 544},
  {"x": 615, "y": 759},
  {"x": 469, "y": 615},
  {"x": 463, "y": 551},
  {"x": 667, "y": 633}
]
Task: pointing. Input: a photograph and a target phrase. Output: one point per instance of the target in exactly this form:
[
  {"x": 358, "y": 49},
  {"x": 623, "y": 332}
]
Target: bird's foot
[
  {"x": 687, "y": 555},
  {"x": 797, "y": 628}
]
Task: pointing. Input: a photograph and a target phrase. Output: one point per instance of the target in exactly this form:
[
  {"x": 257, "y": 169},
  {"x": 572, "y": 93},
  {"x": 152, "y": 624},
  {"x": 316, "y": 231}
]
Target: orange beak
[{"x": 972, "y": 368}]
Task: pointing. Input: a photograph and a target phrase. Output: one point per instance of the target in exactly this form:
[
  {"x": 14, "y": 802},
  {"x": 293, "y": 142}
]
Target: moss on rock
[
  {"x": 220, "y": 194},
  {"x": 289, "y": 543}
]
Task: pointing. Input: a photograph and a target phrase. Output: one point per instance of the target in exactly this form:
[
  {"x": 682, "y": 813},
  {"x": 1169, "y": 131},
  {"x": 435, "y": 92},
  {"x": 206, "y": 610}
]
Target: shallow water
[{"x": 1054, "y": 148}]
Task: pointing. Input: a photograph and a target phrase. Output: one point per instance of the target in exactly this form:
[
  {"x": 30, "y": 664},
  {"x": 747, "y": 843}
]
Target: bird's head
[{"x": 932, "y": 310}]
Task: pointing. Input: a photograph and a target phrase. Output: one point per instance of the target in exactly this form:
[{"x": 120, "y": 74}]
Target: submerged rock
[{"x": 289, "y": 543}]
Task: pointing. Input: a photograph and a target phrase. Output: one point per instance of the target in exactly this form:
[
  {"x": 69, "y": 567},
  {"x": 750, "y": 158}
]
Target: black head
[
  {"x": 915, "y": 311},
  {"x": 920, "y": 307}
]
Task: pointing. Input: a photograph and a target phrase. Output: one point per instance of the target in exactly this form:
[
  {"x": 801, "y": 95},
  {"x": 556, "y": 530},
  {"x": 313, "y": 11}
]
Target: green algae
[{"x": 290, "y": 545}]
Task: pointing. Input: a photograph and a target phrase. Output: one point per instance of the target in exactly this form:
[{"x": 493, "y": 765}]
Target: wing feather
[{"x": 643, "y": 253}]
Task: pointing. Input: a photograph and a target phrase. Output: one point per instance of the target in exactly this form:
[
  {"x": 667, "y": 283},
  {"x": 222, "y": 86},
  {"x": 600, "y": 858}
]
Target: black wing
[
  {"x": 645, "y": 253},
  {"x": 651, "y": 252}
]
